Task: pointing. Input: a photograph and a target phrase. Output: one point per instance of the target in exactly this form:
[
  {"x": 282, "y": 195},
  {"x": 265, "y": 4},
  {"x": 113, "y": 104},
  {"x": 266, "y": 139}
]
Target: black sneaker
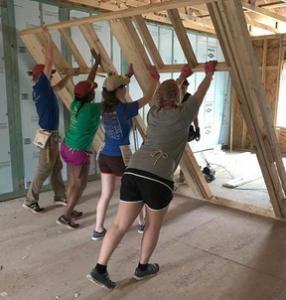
[
  {"x": 101, "y": 279},
  {"x": 68, "y": 223},
  {"x": 34, "y": 207},
  {"x": 76, "y": 214},
  {"x": 98, "y": 235},
  {"x": 61, "y": 201},
  {"x": 151, "y": 270}
]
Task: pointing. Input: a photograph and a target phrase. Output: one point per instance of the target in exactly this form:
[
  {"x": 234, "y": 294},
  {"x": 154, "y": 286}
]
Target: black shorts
[
  {"x": 138, "y": 186},
  {"x": 111, "y": 165}
]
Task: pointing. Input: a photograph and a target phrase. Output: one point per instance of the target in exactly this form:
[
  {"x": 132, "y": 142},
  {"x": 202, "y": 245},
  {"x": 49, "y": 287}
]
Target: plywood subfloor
[{"x": 206, "y": 252}]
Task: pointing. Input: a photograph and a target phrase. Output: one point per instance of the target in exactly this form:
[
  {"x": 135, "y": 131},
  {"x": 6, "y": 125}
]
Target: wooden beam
[
  {"x": 188, "y": 24},
  {"x": 279, "y": 71},
  {"x": 118, "y": 14},
  {"x": 264, "y": 58},
  {"x": 194, "y": 176},
  {"x": 263, "y": 12},
  {"x": 241, "y": 180},
  {"x": 182, "y": 37},
  {"x": 58, "y": 60},
  {"x": 193, "y": 24},
  {"x": 200, "y": 67},
  {"x": 36, "y": 48},
  {"x": 277, "y": 4},
  {"x": 148, "y": 41},
  {"x": 268, "y": 37},
  {"x": 234, "y": 39},
  {"x": 73, "y": 49},
  {"x": 262, "y": 26},
  {"x": 220, "y": 67},
  {"x": 265, "y": 212},
  {"x": 134, "y": 52},
  {"x": 94, "y": 42}
]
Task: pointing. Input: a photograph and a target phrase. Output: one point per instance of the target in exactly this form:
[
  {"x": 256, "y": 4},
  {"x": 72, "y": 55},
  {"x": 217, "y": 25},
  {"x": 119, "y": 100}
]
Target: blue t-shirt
[
  {"x": 117, "y": 126},
  {"x": 46, "y": 103}
]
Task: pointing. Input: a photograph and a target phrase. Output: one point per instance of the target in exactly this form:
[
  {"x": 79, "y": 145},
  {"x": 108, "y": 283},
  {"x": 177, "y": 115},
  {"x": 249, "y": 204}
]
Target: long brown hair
[
  {"x": 109, "y": 100},
  {"x": 88, "y": 98}
]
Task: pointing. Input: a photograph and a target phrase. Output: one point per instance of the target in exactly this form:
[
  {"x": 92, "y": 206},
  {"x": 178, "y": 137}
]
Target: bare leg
[
  {"x": 78, "y": 176},
  {"x": 126, "y": 215},
  {"x": 107, "y": 190},
  {"x": 153, "y": 224}
]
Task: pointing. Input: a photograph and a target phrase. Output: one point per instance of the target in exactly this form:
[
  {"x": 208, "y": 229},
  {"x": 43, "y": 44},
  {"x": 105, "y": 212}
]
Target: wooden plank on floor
[{"x": 241, "y": 180}]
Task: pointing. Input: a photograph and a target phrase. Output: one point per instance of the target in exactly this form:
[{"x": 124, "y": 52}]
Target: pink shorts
[{"x": 74, "y": 157}]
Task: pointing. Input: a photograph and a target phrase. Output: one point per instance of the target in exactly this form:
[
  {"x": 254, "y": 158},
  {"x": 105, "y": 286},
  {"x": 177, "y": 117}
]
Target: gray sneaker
[
  {"x": 61, "y": 201},
  {"x": 98, "y": 235},
  {"x": 151, "y": 270},
  {"x": 101, "y": 279},
  {"x": 140, "y": 228}
]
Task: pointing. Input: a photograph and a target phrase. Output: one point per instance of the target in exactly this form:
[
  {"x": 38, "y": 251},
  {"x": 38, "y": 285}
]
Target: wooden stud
[
  {"x": 232, "y": 31},
  {"x": 73, "y": 49},
  {"x": 265, "y": 45},
  {"x": 148, "y": 41},
  {"x": 182, "y": 37}
]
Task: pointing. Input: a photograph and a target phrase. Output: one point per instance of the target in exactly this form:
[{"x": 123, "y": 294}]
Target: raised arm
[
  {"x": 97, "y": 58},
  {"x": 151, "y": 92},
  {"x": 196, "y": 122},
  {"x": 49, "y": 53},
  {"x": 185, "y": 73},
  {"x": 62, "y": 83},
  {"x": 205, "y": 84}
]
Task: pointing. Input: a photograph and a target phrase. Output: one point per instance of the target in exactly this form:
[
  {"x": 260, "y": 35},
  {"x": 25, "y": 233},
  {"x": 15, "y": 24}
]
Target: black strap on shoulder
[{"x": 187, "y": 95}]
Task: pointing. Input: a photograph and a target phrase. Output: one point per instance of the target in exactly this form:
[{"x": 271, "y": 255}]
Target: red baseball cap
[
  {"x": 39, "y": 68},
  {"x": 82, "y": 88}
]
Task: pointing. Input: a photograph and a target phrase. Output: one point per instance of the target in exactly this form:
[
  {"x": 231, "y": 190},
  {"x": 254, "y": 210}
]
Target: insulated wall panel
[
  {"x": 6, "y": 184},
  {"x": 27, "y": 15}
]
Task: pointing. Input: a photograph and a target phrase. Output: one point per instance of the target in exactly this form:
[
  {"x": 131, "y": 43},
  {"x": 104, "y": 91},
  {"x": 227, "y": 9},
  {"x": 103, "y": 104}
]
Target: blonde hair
[{"x": 168, "y": 94}]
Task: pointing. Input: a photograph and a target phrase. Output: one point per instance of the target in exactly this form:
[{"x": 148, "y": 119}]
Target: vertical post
[{"x": 13, "y": 93}]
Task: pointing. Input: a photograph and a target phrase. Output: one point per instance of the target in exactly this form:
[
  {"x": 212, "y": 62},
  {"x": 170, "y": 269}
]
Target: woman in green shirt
[{"x": 84, "y": 122}]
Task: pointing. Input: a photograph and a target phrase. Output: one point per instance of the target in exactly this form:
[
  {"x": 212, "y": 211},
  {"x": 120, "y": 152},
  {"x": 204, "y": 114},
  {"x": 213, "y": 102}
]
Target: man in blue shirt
[{"x": 47, "y": 107}]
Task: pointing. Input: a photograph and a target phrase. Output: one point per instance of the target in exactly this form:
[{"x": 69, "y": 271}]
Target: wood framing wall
[
  {"x": 269, "y": 53},
  {"x": 228, "y": 19}
]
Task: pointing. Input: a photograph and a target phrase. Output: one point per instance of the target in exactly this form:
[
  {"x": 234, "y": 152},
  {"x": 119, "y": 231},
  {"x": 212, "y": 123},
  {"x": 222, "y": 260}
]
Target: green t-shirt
[{"x": 83, "y": 127}]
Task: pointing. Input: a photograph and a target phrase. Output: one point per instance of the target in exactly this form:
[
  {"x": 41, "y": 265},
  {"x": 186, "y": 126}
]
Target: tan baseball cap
[{"x": 114, "y": 81}]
